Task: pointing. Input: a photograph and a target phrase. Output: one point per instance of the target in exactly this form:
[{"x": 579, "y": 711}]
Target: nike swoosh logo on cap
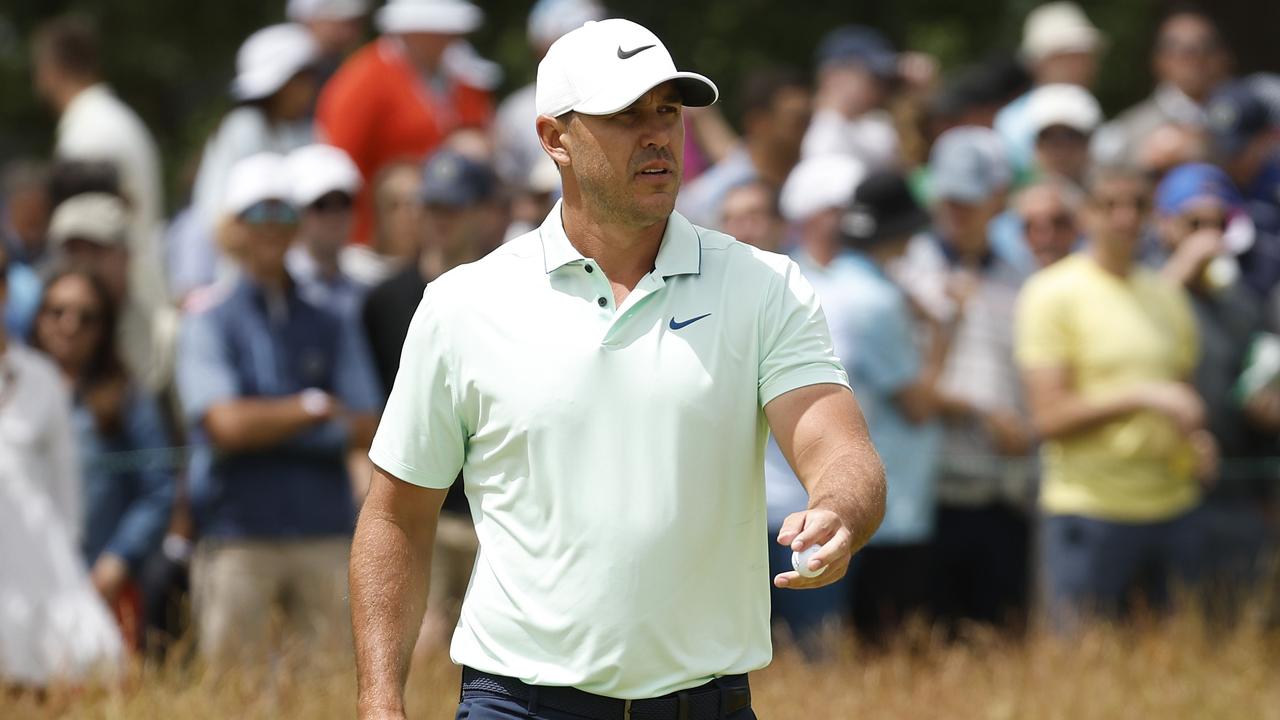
[{"x": 624, "y": 54}]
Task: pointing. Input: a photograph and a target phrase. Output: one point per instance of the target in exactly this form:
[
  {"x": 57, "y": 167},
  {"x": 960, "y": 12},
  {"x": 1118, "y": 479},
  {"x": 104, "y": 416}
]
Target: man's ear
[{"x": 554, "y": 133}]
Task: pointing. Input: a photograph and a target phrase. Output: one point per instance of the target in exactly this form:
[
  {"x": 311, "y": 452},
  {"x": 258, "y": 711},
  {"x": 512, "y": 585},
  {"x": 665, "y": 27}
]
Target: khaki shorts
[{"x": 252, "y": 598}]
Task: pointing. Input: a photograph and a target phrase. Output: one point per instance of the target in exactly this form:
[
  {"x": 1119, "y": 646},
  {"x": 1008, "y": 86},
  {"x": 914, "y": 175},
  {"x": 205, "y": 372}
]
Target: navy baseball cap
[
  {"x": 861, "y": 45},
  {"x": 1188, "y": 183},
  {"x": 1239, "y": 112},
  {"x": 882, "y": 209},
  {"x": 455, "y": 180}
]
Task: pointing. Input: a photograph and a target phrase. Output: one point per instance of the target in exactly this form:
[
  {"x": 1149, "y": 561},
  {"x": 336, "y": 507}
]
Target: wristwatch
[{"x": 315, "y": 402}]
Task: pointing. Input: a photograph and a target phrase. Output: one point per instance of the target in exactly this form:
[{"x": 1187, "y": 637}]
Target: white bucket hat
[
  {"x": 316, "y": 170},
  {"x": 602, "y": 67},
  {"x": 1059, "y": 27},
  {"x": 269, "y": 58},
  {"x": 447, "y": 17}
]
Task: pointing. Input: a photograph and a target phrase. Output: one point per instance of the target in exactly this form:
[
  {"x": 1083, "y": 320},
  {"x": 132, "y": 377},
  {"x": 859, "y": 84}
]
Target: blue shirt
[
  {"x": 874, "y": 337},
  {"x": 249, "y": 345},
  {"x": 23, "y": 300},
  {"x": 702, "y": 199},
  {"x": 882, "y": 359},
  {"x": 128, "y": 492}
]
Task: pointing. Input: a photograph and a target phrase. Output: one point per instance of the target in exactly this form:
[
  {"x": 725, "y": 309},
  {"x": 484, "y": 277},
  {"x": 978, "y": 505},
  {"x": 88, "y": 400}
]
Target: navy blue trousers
[{"x": 487, "y": 706}]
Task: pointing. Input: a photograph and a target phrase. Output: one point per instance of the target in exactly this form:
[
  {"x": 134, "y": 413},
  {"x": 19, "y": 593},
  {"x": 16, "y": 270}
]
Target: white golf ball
[{"x": 800, "y": 561}]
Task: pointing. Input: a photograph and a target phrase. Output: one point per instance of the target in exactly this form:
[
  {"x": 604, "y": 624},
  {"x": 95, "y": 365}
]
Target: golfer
[{"x": 603, "y": 384}]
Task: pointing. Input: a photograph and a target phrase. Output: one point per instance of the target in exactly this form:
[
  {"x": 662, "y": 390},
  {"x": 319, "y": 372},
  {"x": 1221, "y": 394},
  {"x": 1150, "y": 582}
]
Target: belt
[{"x": 713, "y": 701}]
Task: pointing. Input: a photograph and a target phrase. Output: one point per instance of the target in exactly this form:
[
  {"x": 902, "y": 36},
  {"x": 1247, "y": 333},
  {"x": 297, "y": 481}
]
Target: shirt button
[
  {"x": 590, "y": 269},
  {"x": 602, "y": 302}
]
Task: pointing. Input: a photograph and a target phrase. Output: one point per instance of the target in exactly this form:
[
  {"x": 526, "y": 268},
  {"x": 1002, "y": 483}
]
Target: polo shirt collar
[{"x": 679, "y": 254}]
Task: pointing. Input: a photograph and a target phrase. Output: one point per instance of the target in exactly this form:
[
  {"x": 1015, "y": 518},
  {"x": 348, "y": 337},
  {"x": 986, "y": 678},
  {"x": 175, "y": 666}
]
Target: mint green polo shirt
[{"x": 612, "y": 456}]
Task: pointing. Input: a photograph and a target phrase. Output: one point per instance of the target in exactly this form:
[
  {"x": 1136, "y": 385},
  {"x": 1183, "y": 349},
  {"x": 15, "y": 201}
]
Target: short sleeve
[
  {"x": 205, "y": 375},
  {"x": 795, "y": 342},
  {"x": 421, "y": 439},
  {"x": 886, "y": 356},
  {"x": 1043, "y": 335}
]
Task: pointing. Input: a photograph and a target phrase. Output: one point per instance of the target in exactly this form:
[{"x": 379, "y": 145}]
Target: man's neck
[
  {"x": 69, "y": 91},
  {"x": 326, "y": 261},
  {"x": 822, "y": 252},
  {"x": 624, "y": 253},
  {"x": 1117, "y": 261}
]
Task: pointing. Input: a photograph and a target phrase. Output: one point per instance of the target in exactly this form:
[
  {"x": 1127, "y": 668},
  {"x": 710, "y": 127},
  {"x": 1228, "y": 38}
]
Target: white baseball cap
[
  {"x": 447, "y": 17},
  {"x": 602, "y": 67},
  {"x": 317, "y": 170},
  {"x": 820, "y": 183},
  {"x": 264, "y": 176},
  {"x": 269, "y": 58},
  {"x": 1063, "y": 104},
  {"x": 101, "y": 218},
  {"x": 303, "y": 10},
  {"x": 1058, "y": 27}
]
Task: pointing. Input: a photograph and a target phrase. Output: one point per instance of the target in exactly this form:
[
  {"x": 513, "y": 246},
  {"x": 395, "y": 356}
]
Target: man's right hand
[{"x": 1177, "y": 401}]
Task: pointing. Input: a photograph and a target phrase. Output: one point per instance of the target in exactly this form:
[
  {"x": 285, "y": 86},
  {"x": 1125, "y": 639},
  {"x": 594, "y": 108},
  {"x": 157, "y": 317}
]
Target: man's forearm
[
  {"x": 390, "y": 570},
  {"x": 852, "y": 485},
  {"x": 1072, "y": 413}
]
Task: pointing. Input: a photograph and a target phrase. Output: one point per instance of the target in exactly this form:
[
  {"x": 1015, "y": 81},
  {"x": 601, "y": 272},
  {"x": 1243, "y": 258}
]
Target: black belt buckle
[{"x": 733, "y": 699}]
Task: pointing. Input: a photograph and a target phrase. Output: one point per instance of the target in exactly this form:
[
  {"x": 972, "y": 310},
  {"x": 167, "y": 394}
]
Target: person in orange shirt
[{"x": 401, "y": 95}]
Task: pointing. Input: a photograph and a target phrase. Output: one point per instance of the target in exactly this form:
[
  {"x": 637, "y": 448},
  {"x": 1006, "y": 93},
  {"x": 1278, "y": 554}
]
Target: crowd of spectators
[{"x": 1064, "y": 330}]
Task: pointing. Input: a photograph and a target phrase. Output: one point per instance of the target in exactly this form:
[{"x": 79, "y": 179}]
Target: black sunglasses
[
  {"x": 270, "y": 211},
  {"x": 332, "y": 202}
]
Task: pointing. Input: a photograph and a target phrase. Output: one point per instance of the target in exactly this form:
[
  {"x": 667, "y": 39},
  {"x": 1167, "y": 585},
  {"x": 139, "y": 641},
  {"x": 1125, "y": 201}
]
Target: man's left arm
[{"x": 822, "y": 433}]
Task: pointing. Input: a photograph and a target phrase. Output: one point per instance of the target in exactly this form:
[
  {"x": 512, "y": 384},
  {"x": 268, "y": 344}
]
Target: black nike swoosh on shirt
[{"x": 624, "y": 54}]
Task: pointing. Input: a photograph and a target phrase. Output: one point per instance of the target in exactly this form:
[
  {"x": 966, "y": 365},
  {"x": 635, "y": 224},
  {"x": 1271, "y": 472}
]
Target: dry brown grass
[{"x": 1178, "y": 668}]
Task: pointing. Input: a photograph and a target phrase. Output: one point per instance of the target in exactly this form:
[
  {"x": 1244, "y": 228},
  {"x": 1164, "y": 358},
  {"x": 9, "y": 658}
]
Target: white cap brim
[{"x": 695, "y": 91}]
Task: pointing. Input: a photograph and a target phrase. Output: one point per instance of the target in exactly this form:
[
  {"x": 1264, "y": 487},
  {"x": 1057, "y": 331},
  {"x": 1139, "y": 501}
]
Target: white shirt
[
  {"x": 97, "y": 127},
  {"x": 612, "y": 456}
]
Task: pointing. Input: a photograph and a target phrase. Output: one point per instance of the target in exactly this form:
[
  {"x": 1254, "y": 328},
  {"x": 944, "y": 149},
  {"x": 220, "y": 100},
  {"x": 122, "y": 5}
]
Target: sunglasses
[
  {"x": 332, "y": 202},
  {"x": 85, "y": 317},
  {"x": 1060, "y": 134},
  {"x": 269, "y": 212},
  {"x": 1057, "y": 221},
  {"x": 1205, "y": 222},
  {"x": 1139, "y": 203}
]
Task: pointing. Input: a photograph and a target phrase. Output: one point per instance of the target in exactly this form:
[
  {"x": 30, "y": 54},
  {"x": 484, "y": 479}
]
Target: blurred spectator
[
  {"x": 459, "y": 198},
  {"x": 875, "y": 330},
  {"x": 127, "y": 509},
  {"x": 336, "y": 26},
  {"x": 1244, "y": 131},
  {"x": 53, "y": 626},
  {"x": 1062, "y": 118},
  {"x": 1168, "y": 146},
  {"x": 91, "y": 229},
  {"x": 274, "y": 89},
  {"x": 974, "y": 94},
  {"x": 776, "y": 106},
  {"x": 325, "y": 182},
  {"x": 750, "y": 214},
  {"x": 275, "y": 391},
  {"x": 397, "y": 199},
  {"x": 1048, "y": 211},
  {"x": 1107, "y": 349},
  {"x": 532, "y": 200},
  {"x": 1059, "y": 46},
  {"x": 1189, "y": 60},
  {"x": 982, "y": 540},
  {"x": 24, "y": 227},
  {"x": 1194, "y": 206},
  {"x": 397, "y": 98},
  {"x": 857, "y": 67},
  {"x": 812, "y": 200},
  {"x": 518, "y": 147},
  {"x": 95, "y": 126}
]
